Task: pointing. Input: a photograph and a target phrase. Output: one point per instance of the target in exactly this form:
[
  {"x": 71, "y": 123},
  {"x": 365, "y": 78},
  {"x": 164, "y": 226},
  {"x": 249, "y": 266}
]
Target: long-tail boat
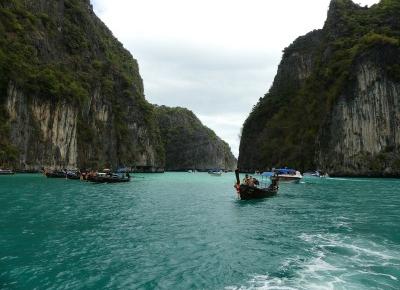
[
  {"x": 109, "y": 178},
  {"x": 55, "y": 174},
  {"x": 254, "y": 192},
  {"x": 73, "y": 174}
]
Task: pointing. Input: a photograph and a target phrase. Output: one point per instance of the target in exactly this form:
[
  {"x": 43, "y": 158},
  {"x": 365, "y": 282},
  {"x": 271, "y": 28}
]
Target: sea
[{"x": 190, "y": 231}]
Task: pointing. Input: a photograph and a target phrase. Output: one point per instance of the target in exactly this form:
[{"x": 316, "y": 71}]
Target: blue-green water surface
[{"x": 189, "y": 231}]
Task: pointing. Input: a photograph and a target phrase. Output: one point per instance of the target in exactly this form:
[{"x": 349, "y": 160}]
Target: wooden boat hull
[
  {"x": 55, "y": 174},
  {"x": 250, "y": 192},
  {"x": 73, "y": 176}
]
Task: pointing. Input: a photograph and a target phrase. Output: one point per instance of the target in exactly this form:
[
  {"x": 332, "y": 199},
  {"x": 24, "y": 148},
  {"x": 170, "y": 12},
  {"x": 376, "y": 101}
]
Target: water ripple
[{"x": 181, "y": 231}]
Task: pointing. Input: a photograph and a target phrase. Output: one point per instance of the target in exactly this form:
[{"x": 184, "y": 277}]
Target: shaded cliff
[
  {"x": 335, "y": 102},
  {"x": 70, "y": 94},
  {"x": 189, "y": 144}
]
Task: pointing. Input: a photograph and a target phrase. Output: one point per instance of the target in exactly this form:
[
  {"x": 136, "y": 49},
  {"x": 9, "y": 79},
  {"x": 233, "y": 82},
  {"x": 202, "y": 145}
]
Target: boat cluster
[
  {"x": 292, "y": 175},
  {"x": 106, "y": 176},
  {"x": 249, "y": 189}
]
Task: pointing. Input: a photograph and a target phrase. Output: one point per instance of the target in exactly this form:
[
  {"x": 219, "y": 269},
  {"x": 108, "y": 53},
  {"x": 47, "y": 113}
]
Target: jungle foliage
[
  {"x": 284, "y": 126},
  {"x": 58, "y": 52},
  {"x": 187, "y": 142}
]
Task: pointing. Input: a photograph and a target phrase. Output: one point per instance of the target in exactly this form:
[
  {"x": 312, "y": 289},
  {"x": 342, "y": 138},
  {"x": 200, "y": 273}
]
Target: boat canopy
[{"x": 285, "y": 171}]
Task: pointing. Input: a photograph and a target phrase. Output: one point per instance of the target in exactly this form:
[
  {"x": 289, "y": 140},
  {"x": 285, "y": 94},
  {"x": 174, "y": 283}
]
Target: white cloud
[{"x": 215, "y": 57}]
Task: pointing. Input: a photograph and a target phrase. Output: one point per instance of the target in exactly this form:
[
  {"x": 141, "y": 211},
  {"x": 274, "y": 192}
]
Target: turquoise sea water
[{"x": 189, "y": 231}]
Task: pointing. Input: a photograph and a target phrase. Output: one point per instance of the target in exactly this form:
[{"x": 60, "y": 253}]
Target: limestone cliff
[
  {"x": 70, "y": 94},
  {"x": 362, "y": 134},
  {"x": 335, "y": 102},
  {"x": 189, "y": 144}
]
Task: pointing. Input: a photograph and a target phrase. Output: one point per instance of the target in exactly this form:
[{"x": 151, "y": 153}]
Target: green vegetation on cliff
[
  {"x": 60, "y": 52},
  {"x": 85, "y": 53},
  {"x": 287, "y": 125},
  {"x": 71, "y": 95},
  {"x": 189, "y": 144}
]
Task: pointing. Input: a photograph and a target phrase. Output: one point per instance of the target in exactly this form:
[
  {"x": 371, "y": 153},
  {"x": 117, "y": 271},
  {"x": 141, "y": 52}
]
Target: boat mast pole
[{"x": 237, "y": 176}]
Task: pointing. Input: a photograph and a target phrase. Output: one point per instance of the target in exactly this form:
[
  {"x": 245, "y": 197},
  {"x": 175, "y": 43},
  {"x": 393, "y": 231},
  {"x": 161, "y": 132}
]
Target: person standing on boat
[{"x": 274, "y": 182}]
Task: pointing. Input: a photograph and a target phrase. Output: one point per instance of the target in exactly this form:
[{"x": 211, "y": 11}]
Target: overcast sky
[{"x": 214, "y": 57}]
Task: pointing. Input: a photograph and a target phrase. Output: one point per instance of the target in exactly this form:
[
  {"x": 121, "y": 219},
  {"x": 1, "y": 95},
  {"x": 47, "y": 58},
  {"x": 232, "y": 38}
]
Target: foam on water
[
  {"x": 330, "y": 268},
  {"x": 181, "y": 231}
]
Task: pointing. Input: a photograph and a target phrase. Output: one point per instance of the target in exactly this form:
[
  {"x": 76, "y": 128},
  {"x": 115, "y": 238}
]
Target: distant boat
[
  {"x": 190, "y": 171},
  {"x": 288, "y": 175},
  {"x": 6, "y": 172},
  {"x": 122, "y": 170},
  {"x": 73, "y": 174},
  {"x": 55, "y": 174},
  {"x": 109, "y": 178},
  {"x": 314, "y": 174},
  {"x": 247, "y": 192},
  {"x": 215, "y": 172}
]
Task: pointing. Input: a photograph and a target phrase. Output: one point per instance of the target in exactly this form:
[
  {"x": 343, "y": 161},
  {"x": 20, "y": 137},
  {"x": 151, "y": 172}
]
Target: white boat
[
  {"x": 215, "y": 172},
  {"x": 6, "y": 172},
  {"x": 314, "y": 174},
  {"x": 288, "y": 175}
]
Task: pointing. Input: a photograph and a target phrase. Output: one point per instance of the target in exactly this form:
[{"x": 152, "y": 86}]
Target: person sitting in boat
[
  {"x": 250, "y": 182},
  {"x": 255, "y": 181},
  {"x": 274, "y": 182},
  {"x": 246, "y": 180}
]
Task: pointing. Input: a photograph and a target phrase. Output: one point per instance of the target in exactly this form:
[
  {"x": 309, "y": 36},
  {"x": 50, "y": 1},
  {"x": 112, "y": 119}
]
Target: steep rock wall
[
  {"x": 263, "y": 131},
  {"x": 191, "y": 145},
  {"x": 334, "y": 104},
  {"x": 70, "y": 94},
  {"x": 363, "y": 131},
  {"x": 44, "y": 133}
]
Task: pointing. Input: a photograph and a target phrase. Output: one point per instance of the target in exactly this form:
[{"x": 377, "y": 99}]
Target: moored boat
[
  {"x": 6, "y": 172},
  {"x": 247, "y": 192},
  {"x": 215, "y": 172},
  {"x": 109, "y": 178},
  {"x": 314, "y": 174},
  {"x": 288, "y": 175},
  {"x": 55, "y": 174},
  {"x": 72, "y": 174}
]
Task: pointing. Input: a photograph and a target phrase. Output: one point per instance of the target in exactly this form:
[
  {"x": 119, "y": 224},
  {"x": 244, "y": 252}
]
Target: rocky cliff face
[
  {"x": 70, "y": 94},
  {"x": 362, "y": 134},
  {"x": 44, "y": 133},
  {"x": 334, "y": 104},
  {"x": 189, "y": 144},
  {"x": 72, "y": 97}
]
